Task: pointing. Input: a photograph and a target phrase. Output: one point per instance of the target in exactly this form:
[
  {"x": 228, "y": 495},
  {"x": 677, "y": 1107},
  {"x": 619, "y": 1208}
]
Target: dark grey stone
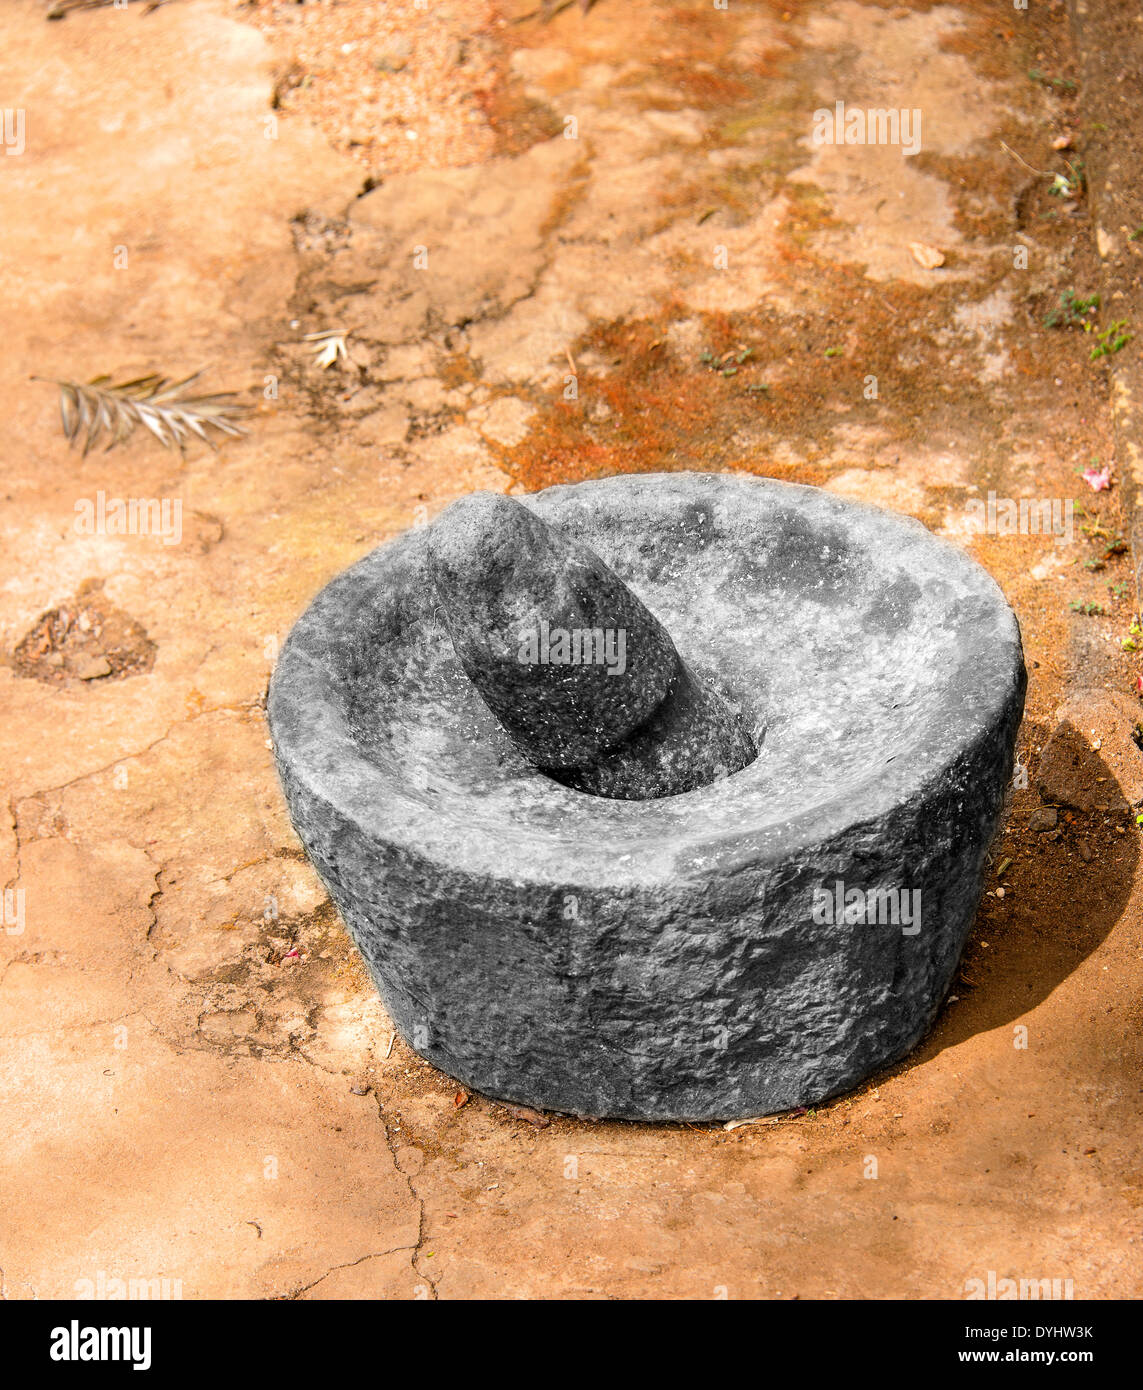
[
  {"x": 586, "y": 682},
  {"x": 685, "y": 957},
  {"x": 692, "y": 739}
]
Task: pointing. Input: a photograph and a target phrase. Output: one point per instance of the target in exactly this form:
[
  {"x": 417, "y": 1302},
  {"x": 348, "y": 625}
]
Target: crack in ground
[
  {"x": 157, "y": 893},
  {"x": 126, "y": 757},
  {"x": 416, "y": 1196},
  {"x": 349, "y": 1264},
  {"x": 85, "y": 1022},
  {"x": 4, "y": 1295},
  {"x": 12, "y": 811}
]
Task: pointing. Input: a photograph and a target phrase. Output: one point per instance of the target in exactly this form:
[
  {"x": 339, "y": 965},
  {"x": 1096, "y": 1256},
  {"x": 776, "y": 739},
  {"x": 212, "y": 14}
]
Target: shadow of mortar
[{"x": 1066, "y": 888}]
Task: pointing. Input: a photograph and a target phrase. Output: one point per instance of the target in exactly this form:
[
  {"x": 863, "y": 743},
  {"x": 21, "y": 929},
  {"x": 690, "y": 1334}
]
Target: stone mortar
[{"x": 671, "y": 959}]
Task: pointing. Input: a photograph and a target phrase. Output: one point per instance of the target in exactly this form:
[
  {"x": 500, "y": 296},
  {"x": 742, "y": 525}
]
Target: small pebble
[{"x": 93, "y": 668}]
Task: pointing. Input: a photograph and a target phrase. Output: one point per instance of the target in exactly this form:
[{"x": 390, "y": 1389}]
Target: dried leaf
[
  {"x": 62, "y": 8},
  {"x": 328, "y": 353},
  {"x": 550, "y": 8},
  {"x": 522, "y": 1112},
  {"x": 329, "y": 346},
  {"x": 100, "y": 410}
]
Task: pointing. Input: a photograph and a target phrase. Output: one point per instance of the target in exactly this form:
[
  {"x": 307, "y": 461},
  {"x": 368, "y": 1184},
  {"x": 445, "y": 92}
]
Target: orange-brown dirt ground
[{"x": 197, "y": 1081}]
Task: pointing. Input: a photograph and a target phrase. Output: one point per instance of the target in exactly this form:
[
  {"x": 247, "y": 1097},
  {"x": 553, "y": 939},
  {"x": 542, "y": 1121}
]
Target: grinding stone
[
  {"x": 583, "y": 678},
  {"x": 668, "y": 959}
]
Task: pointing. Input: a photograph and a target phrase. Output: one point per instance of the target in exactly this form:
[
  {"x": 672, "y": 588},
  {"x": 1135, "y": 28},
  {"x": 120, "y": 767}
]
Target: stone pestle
[{"x": 584, "y": 679}]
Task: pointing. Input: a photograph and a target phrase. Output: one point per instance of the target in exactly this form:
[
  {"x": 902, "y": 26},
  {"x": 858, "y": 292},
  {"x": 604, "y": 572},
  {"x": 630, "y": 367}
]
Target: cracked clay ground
[{"x": 197, "y": 1081}]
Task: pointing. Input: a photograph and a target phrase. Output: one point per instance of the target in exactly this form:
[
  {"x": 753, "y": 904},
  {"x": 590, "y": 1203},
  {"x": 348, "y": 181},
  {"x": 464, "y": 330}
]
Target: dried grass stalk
[
  {"x": 98, "y": 409},
  {"x": 62, "y": 8}
]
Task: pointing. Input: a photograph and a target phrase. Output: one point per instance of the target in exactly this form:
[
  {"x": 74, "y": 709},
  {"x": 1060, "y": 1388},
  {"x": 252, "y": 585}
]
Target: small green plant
[
  {"x": 1116, "y": 545},
  {"x": 833, "y": 352},
  {"x": 1118, "y": 591},
  {"x": 726, "y": 363},
  {"x": 1057, "y": 84},
  {"x": 1073, "y": 311},
  {"x": 1089, "y": 610},
  {"x": 1111, "y": 339},
  {"x": 1070, "y": 185},
  {"x": 1130, "y": 642},
  {"x": 1078, "y": 173}
]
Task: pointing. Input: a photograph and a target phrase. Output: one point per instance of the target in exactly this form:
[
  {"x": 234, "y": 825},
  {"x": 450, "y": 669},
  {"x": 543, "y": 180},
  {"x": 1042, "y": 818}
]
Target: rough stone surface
[
  {"x": 501, "y": 572},
  {"x": 584, "y": 679},
  {"x": 1091, "y": 760},
  {"x": 694, "y": 738},
  {"x": 661, "y": 959}
]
